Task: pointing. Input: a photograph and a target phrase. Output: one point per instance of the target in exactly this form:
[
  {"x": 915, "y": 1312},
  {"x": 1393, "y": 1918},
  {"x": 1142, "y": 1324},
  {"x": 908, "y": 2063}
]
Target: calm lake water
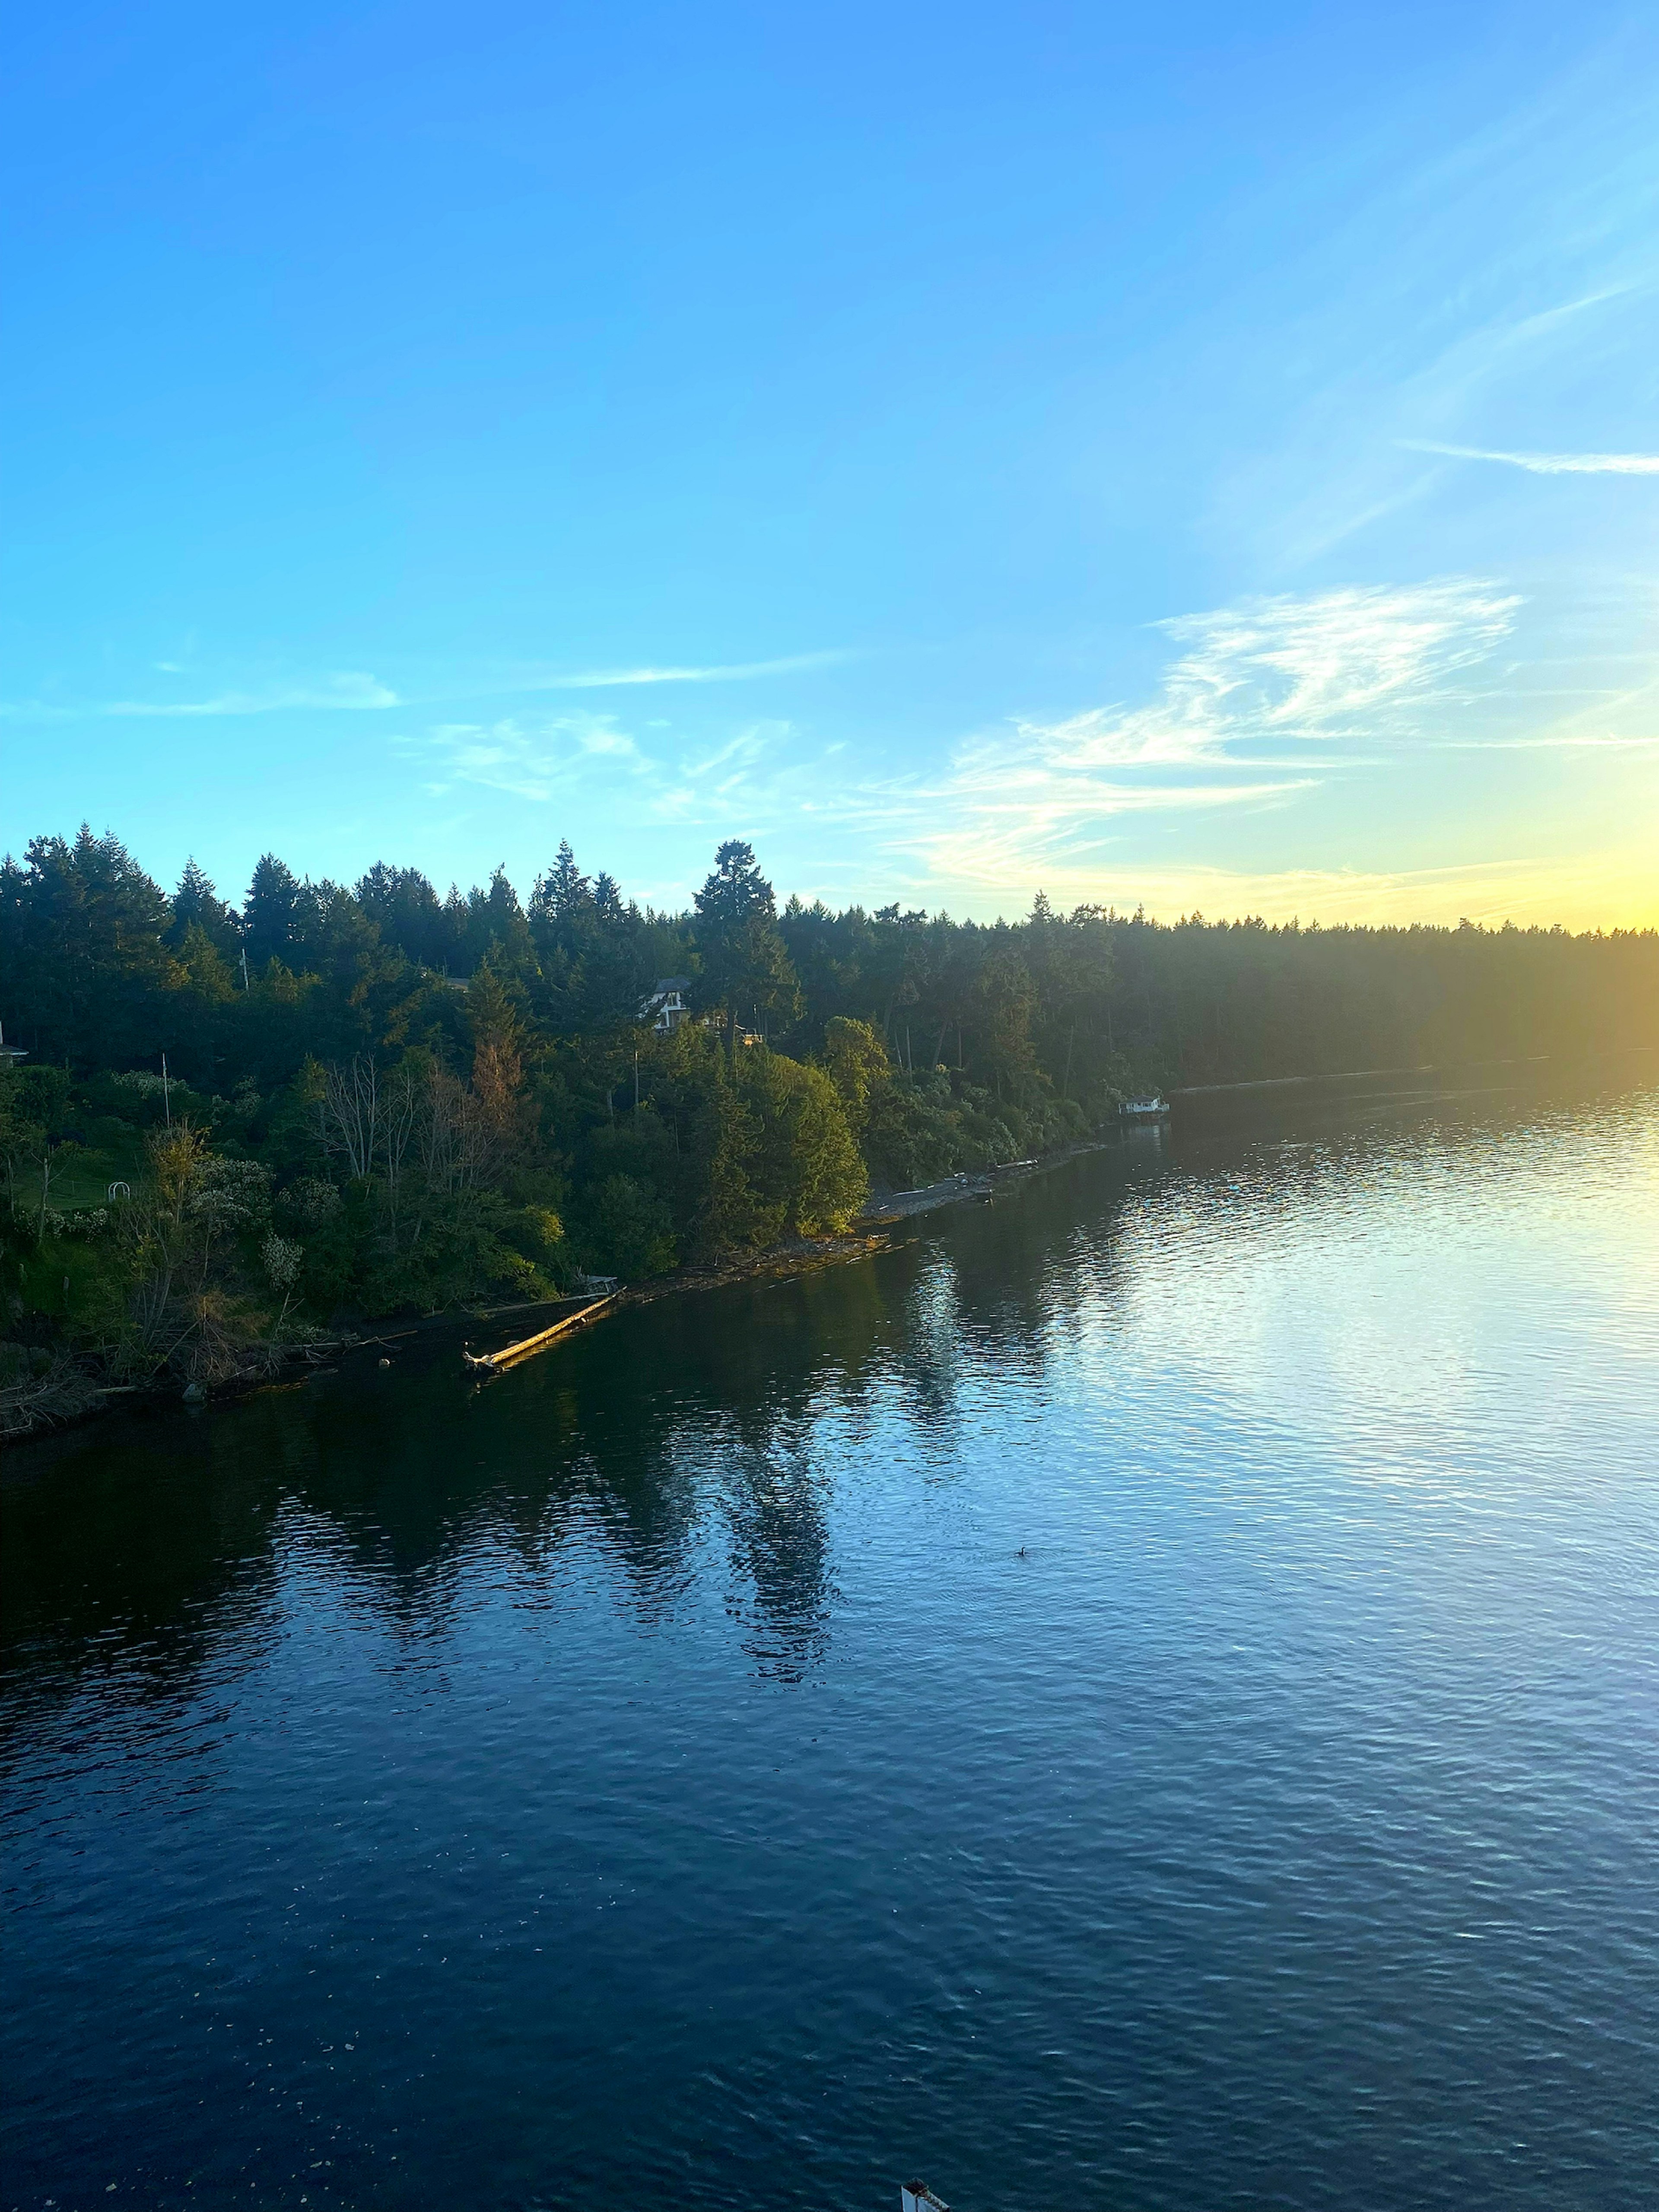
[{"x": 1145, "y": 1696}]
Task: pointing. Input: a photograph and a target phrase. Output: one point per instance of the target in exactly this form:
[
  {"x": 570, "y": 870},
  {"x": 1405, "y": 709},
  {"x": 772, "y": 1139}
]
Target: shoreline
[
  {"x": 69, "y": 1397},
  {"x": 84, "y": 1400}
]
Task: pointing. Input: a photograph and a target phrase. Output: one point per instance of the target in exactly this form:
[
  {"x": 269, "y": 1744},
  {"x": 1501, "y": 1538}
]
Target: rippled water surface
[{"x": 1144, "y": 1697}]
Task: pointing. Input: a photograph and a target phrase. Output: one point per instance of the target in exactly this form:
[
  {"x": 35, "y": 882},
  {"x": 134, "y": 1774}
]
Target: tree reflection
[
  {"x": 703, "y": 1434},
  {"x": 137, "y": 1549}
]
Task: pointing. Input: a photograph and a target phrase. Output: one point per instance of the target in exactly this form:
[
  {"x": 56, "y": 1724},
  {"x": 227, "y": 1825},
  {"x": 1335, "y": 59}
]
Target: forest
[{"x": 232, "y": 1126}]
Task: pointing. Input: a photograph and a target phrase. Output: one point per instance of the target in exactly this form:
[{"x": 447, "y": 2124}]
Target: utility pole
[
  {"x": 244, "y": 966},
  {"x": 166, "y": 1093}
]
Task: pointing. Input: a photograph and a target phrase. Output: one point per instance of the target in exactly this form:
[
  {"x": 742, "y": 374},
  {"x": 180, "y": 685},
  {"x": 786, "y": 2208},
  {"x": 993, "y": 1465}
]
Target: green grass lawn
[{"x": 82, "y": 1177}]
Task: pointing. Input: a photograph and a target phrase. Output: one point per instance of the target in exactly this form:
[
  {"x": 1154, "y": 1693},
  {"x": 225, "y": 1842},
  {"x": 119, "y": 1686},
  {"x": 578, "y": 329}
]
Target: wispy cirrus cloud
[
  {"x": 691, "y": 786},
  {"x": 351, "y": 692},
  {"x": 1511, "y": 275},
  {"x": 1258, "y": 704},
  {"x": 1363, "y": 661},
  {"x": 528, "y": 763},
  {"x": 757, "y": 773},
  {"x": 1545, "y": 464},
  {"x": 1253, "y": 686}
]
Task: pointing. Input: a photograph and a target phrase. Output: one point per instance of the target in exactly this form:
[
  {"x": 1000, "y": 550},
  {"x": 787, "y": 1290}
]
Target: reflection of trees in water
[
  {"x": 775, "y": 1496},
  {"x": 137, "y": 1554},
  {"x": 145, "y": 1551},
  {"x": 153, "y": 1554},
  {"x": 1025, "y": 1272},
  {"x": 141, "y": 1550},
  {"x": 737, "y": 1433},
  {"x": 930, "y": 1354}
]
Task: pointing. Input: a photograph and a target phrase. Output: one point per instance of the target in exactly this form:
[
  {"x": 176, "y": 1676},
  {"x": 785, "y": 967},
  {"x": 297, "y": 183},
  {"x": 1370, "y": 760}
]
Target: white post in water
[{"x": 917, "y": 2196}]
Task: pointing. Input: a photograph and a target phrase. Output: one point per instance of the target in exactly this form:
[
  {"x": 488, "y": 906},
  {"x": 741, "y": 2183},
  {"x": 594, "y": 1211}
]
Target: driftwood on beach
[{"x": 492, "y": 1362}]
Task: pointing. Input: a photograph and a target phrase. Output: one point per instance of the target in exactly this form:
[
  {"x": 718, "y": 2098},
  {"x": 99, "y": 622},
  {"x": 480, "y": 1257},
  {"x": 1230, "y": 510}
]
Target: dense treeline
[{"x": 375, "y": 1098}]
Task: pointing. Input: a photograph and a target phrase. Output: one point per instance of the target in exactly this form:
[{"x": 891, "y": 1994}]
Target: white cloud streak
[
  {"x": 1547, "y": 464},
  {"x": 350, "y": 692},
  {"x": 1510, "y": 277},
  {"x": 738, "y": 672},
  {"x": 353, "y": 691},
  {"x": 1383, "y": 665}
]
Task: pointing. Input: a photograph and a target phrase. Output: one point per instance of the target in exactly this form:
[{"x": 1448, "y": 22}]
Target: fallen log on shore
[{"x": 492, "y": 1362}]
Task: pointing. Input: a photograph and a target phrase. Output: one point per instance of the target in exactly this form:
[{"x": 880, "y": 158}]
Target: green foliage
[
  {"x": 39, "y": 1097},
  {"x": 858, "y": 1068},
  {"x": 377, "y": 1099},
  {"x": 729, "y": 1211},
  {"x": 805, "y": 1168},
  {"x": 275, "y": 913},
  {"x": 625, "y": 1228},
  {"x": 915, "y": 1133},
  {"x": 537, "y": 1233}
]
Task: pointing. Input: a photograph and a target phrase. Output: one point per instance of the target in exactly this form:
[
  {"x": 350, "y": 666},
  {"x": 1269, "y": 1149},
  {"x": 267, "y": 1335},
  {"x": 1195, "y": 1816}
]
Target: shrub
[{"x": 625, "y": 1228}]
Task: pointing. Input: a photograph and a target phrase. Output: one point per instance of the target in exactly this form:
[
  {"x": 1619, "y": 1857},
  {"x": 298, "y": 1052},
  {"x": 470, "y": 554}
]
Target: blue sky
[{"x": 1205, "y": 457}]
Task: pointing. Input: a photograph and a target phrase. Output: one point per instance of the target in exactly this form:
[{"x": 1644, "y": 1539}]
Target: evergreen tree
[
  {"x": 562, "y": 893},
  {"x": 496, "y": 928},
  {"x": 83, "y": 965},
  {"x": 457, "y": 920},
  {"x": 197, "y": 904},
  {"x": 608, "y": 901},
  {"x": 497, "y": 1057},
  {"x": 746, "y": 971},
  {"x": 403, "y": 906},
  {"x": 275, "y": 914},
  {"x": 209, "y": 972}
]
